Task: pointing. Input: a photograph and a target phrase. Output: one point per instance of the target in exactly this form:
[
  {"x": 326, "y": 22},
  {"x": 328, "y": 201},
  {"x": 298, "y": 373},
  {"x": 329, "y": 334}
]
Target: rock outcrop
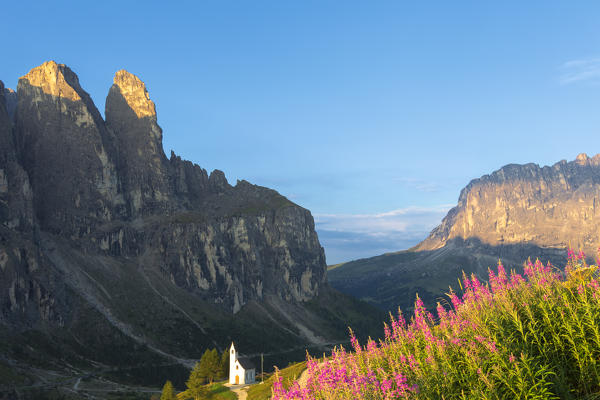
[
  {"x": 67, "y": 151},
  {"x": 25, "y": 291},
  {"x": 10, "y": 98},
  {"x": 551, "y": 206},
  {"x": 16, "y": 210},
  {"x": 131, "y": 115}
]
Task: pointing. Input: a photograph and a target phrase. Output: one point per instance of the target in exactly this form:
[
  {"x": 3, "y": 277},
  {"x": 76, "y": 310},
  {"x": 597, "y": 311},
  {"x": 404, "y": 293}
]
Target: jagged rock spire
[
  {"x": 66, "y": 149},
  {"x": 131, "y": 115},
  {"x": 135, "y": 93}
]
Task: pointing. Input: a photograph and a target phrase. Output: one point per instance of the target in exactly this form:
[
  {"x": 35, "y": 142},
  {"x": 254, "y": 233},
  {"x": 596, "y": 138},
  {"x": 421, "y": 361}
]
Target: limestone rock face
[
  {"x": 549, "y": 206},
  {"x": 16, "y": 209},
  {"x": 10, "y": 97},
  {"x": 24, "y": 291},
  {"x": 218, "y": 260},
  {"x": 190, "y": 181},
  {"x": 136, "y": 96},
  {"x": 67, "y": 151},
  {"x": 131, "y": 115}
]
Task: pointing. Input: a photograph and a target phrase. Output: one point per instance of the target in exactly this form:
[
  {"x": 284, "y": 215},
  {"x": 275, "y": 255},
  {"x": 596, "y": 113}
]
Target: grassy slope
[
  {"x": 219, "y": 392},
  {"x": 9, "y": 376},
  {"x": 90, "y": 345},
  {"x": 392, "y": 280},
  {"x": 216, "y": 391},
  {"x": 289, "y": 375}
]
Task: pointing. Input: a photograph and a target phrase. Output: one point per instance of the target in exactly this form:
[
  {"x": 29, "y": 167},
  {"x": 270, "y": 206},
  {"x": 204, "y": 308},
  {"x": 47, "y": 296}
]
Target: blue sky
[{"x": 373, "y": 115}]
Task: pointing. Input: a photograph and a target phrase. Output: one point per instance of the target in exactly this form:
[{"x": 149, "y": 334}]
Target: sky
[{"x": 373, "y": 115}]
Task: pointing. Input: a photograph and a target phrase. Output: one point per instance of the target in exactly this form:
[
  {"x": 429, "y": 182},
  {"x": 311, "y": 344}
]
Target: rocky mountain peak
[
  {"x": 131, "y": 115},
  {"x": 66, "y": 149},
  {"x": 130, "y": 112},
  {"x": 54, "y": 79},
  {"x": 551, "y": 206},
  {"x": 134, "y": 92},
  {"x": 583, "y": 159}
]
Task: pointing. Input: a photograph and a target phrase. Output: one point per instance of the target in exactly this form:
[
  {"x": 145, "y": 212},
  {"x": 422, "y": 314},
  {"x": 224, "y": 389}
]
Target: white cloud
[
  {"x": 401, "y": 220},
  {"x": 582, "y": 70},
  {"x": 350, "y": 236}
]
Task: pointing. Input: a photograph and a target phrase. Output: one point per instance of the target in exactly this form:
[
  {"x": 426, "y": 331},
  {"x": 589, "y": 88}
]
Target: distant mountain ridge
[
  {"x": 548, "y": 206},
  {"x": 516, "y": 212}
]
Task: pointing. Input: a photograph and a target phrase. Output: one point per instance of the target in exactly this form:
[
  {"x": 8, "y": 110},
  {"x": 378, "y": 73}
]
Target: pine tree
[
  {"x": 196, "y": 381},
  {"x": 204, "y": 368},
  {"x": 168, "y": 393},
  {"x": 213, "y": 366},
  {"x": 224, "y": 367}
]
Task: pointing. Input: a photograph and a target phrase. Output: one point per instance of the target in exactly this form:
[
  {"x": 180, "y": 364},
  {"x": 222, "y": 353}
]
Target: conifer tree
[
  {"x": 195, "y": 383},
  {"x": 204, "y": 367},
  {"x": 211, "y": 365},
  {"x": 168, "y": 393},
  {"x": 224, "y": 367}
]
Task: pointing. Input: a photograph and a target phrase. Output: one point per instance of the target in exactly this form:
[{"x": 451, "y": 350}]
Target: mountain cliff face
[
  {"x": 109, "y": 188},
  {"x": 10, "y": 99},
  {"x": 101, "y": 232},
  {"x": 548, "y": 206},
  {"x": 517, "y": 212},
  {"x": 131, "y": 115},
  {"x": 67, "y": 152}
]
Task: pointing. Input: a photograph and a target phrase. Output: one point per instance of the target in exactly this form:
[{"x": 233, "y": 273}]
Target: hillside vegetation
[
  {"x": 530, "y": 336},
  {"x": 285, "y": 377}
]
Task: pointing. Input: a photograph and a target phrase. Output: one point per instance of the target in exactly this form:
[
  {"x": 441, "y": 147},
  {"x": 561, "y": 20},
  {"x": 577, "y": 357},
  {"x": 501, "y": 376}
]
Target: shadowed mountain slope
[{"x": 114, "y": 256}]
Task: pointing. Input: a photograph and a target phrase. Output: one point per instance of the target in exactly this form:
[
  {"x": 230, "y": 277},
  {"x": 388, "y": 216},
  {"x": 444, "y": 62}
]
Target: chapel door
[{"x": 237, "y": 379}]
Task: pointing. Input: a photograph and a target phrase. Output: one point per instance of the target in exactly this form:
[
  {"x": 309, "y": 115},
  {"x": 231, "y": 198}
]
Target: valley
[{"x": 513, "y": 214}]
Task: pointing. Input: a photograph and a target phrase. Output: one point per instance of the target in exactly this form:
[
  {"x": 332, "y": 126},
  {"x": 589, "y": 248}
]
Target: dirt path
[
  {"x": 241, "y": 391},
  {"x": 303, "y": 379}
]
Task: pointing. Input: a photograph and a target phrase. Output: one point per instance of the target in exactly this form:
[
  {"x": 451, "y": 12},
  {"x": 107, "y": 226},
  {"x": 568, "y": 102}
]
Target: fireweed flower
[
  {"x": 387, "y": 332},
  {"x": 468, "y": 351}
]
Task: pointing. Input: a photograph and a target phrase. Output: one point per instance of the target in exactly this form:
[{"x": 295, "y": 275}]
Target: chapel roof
[{"x": 246, "y": 363}]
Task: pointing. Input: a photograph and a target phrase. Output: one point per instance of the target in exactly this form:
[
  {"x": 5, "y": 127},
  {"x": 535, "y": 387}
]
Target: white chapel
[{"x": 241, "y": 369}]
